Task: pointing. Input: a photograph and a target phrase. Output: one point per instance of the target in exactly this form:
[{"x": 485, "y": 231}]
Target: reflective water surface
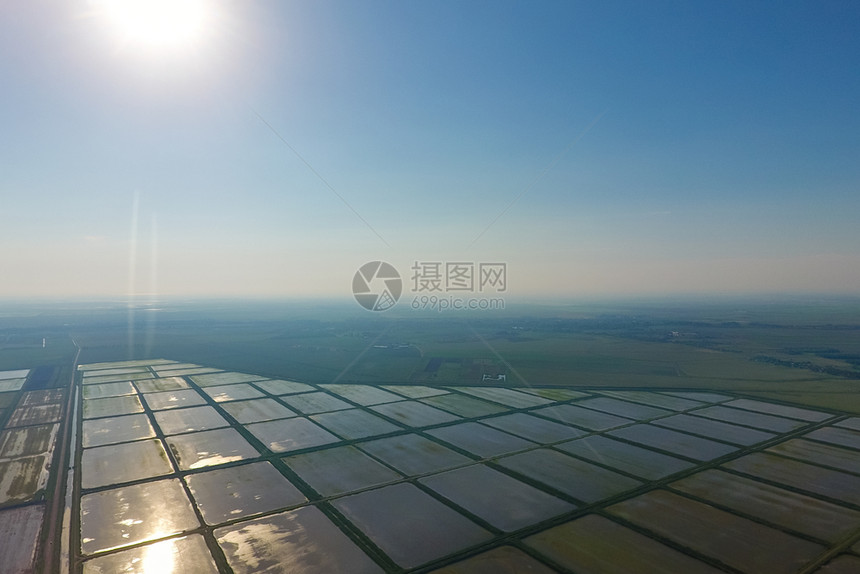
[
  {"x": 798, "y": 512},
  {"x": 354, "y": 424},
  {"x": 230, "y": 493},
  {"x": 174, "y": 399},
  {"x": 674, "y": 442},
  {"x": 501, "y": 560},
  {"x": 291, "y": 434},
  {"x": 257, "y": 410},
  {"x": 480, "y": 439},
  {"x": 464, "y": 406},
  {"x": 279, "y": 387},
  {"x": 411, "y": 526},
  {"x": 181, "y": 473},
  {"x": 111, "y": 430},
  {"x": 108, "y": 390},
  {"x": 301, "y": 540},
  {"x": 806, "y": 477},
  {"x": 635, "y": 460},
  {"x": 116, "y": 463},
  {"x": 364, "y": 395},
  {"x": 210, "y": 448},
  {"x": 413, "y": 454},
  {"x": 507, "y": 397},
  {"x": 414, "y": 414},
  {"x": 185, "y": 555},
  {"x": 581, "y": 417},
  {"x": 340, "y": 470},
  {"x": 749, "y": 418},
  {"x": 504, "y": 502},
  {"x": 577, "y": 478},
  {"x": 131, "y": 514},
  {"x": 738, "y": 542},
  {"x": 415, "y": 391},
  {"x": 533, "y": 428},
  {"x": 213, "y": 379},
  {"x": 190, "y": 419},
  {"x": 627, "y": 409},
  {"x": 236, "y": 392},
  {"x": 595, "y": 545},
  {"x": 715, "y": 429},
  {"x": 313, "y": 403},
  {"x": 166, "y": 384}
]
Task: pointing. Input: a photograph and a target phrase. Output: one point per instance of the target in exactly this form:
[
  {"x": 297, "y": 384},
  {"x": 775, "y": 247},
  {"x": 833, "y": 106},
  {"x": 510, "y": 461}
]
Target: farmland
[
  {"x": 584, "y": 419},
  {"x": 808, "y": 353}
]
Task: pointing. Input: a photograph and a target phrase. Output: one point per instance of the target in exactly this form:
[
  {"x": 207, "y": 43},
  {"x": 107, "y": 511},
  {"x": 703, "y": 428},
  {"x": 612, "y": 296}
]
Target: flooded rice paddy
[{"x": 183, "y": 468}]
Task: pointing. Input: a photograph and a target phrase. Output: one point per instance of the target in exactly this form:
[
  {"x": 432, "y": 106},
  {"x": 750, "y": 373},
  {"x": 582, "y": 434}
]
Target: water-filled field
[{"x": 224, "y": 471}]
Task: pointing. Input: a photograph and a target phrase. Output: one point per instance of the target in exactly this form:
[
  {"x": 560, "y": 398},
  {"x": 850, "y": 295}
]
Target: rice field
[{"x": 233, "y": 472}]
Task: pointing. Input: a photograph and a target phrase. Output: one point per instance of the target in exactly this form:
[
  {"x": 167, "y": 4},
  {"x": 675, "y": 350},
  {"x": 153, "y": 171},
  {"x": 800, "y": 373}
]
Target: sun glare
[{"x": 157, "y": 23}]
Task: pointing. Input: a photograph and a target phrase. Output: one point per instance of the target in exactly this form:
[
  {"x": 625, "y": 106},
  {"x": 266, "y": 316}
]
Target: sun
[{"x": 157, "y": 23}]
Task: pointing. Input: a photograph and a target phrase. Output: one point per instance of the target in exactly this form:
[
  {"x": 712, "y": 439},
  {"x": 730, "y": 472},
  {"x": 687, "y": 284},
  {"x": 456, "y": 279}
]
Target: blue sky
[{"x": 620, "y": 147}]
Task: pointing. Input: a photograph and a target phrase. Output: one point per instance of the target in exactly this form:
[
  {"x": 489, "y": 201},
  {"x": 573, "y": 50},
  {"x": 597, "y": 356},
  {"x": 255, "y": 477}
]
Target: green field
[{"x": 774, "y": 350}]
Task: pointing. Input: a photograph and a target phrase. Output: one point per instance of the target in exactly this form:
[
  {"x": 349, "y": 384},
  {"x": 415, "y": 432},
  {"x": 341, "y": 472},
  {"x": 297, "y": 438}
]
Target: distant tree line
[{"x": 809, "y": 366}]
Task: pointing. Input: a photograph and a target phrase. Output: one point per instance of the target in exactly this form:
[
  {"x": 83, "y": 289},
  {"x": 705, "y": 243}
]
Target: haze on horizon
[{"x": 596, "y": 148}]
